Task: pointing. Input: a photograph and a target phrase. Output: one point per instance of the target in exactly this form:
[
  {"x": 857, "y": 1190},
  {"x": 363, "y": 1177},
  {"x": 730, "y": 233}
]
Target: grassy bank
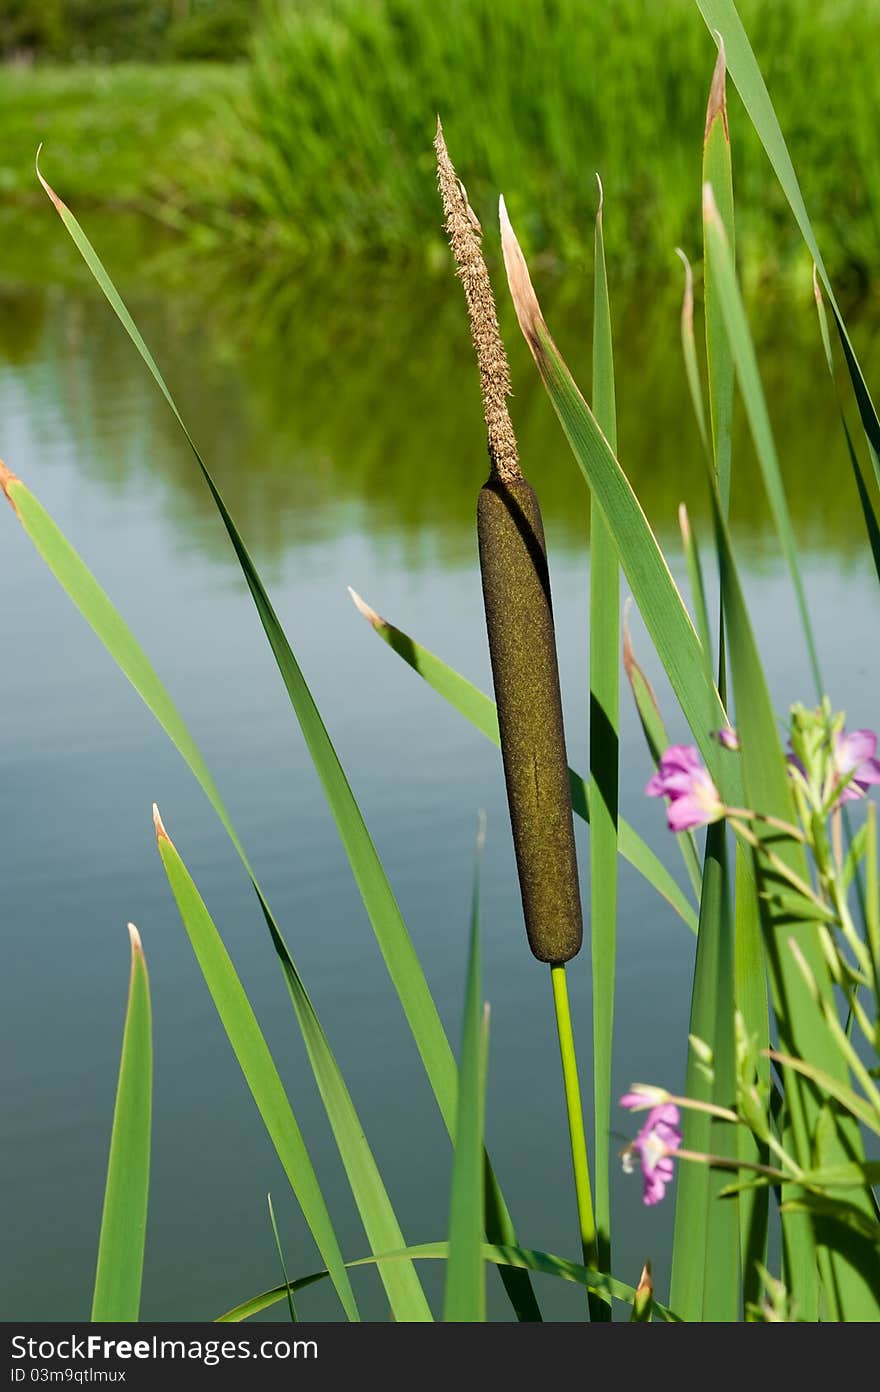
[
  {"x": 323, "y": 142},
  {"x": 538, "y": 94},
  {"x": 135, "y": 135}
]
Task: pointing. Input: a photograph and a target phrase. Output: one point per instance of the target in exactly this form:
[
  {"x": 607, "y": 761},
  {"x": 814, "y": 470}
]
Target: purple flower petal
[
  {"x": 685, "y": 813},
  {"x": 854, "y": 763},
  {"x": 868, "y": 772},
  {"x": 854, "y": 749},
  {"x": 633, "y": 1101}
]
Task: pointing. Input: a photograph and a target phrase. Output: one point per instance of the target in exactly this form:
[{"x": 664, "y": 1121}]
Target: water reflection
[
  {"x": 341, "y": 415},
  {"x": 349, "y": 397}
]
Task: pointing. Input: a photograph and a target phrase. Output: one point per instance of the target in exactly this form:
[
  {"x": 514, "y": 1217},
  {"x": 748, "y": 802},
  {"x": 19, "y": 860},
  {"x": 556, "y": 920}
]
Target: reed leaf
[
  {"x": 403, "y": 1288},
  {"x": 689, "y": 349},
  {"x": 479, "y": 709},
  {"x": 721, "y": 17},
  {"x": 520, "y": 1258},
  {"x": 698, "y": 590},
  {"x": 604, "y": 767},
  {"x": 388, "y": 926},
  {"x": 119, "y": 1275},
  {"x": 722, "y": 280},
  {"x": 256, "y": 1062},
  {"x": 644, "y": 565},
  {"x": 465, "y": 1295},
  {"x": 802, "y": 1030},
  {"x": 718, "y": 173},
  {"x": 868, "y": 511},
  {"x": 280, "y": 1250},
  {"x": 109, "y": 626},
  {"x": 657, "y": 739},
  {"x": 701, "y": 1266},
  {"x": 750, "y": 992}
]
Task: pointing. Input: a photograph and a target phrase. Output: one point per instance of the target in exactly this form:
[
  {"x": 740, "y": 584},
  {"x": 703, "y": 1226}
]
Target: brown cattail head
[
  {"x": 519, "y": 621},
  {"x": 465, "y": 236}
]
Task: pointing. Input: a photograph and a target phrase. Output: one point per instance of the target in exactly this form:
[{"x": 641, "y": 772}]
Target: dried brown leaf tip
[
  {"x": 7, "y": 479},
  {"x": 525, "y": 301},
  {"x": 367, "y": 610},
  {"x": 465, "y": 235},
  {"x": 161, "y": 833},
  {"x": 137, "y": 946},
  {"x": 633, "y": 670},
  {"x": 718, "y": 93},
  {"x": 60, "y": 206}
]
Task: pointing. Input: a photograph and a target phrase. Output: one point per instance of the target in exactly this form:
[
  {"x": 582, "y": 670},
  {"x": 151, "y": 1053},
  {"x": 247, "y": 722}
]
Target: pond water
[{"x": 341, "y": 417}]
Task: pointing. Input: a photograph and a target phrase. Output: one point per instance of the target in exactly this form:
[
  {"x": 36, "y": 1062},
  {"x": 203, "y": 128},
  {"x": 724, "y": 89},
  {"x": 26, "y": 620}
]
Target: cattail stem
[{"x": 577, "y": 1137}]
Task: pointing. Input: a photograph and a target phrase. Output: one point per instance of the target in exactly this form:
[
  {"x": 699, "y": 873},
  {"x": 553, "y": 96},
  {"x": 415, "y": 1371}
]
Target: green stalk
[
  {"x": 604, "y": 757},
  {"x": 579, "y": 1161}
]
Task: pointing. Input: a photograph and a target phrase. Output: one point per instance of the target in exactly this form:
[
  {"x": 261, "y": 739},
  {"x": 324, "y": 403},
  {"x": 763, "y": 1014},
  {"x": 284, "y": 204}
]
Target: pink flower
[
  {"x": 854, "y": 760},
  {"x": 655, "y": 1144},
  {"x": 693, "y": 798}
]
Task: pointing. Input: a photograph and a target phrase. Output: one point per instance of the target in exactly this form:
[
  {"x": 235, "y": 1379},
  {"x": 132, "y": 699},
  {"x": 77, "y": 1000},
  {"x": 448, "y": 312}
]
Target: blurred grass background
[{"x": 299, "y": 126}]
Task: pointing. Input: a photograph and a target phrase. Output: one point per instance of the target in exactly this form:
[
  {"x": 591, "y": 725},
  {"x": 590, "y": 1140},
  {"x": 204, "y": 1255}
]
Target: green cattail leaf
[
  {"x": 802, "y": 1029},
  {"x": 604, "y": 766},
  {"x": 480, "y": 710},
  {"x": 280, "y": 1250},
  {"x": 465, "y": 1297},
  {"x": 698, "y": 590},
  {"x": 394, "y": 942},
  {"x": 405, "y": 1295},
  {"x": 689, "y": 348},
  {"x": 657, "y": 740},
  {"x": 750, "y": 991},
  {"x": 717, "y": 172},
  {"x": 721, "y": 17},
  {"x": 722, "y": 282},
  {"x": 521, "y": 1258},
  {"x": 117, "y": 1291},
  {"x": 872, "y": 897},
  {"x": 107, "y": 623},
  {"x": 701, "y": 1269},
  {"x": 868, "y": 510},
  {"x": 647, "y": 572},
  {"x": 256, "y": 1062}
]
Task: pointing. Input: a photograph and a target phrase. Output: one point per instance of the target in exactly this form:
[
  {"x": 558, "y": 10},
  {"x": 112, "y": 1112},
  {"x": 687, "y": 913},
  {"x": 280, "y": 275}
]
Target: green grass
[
  {"x": 532, "y": 96},
  {"x": 325, "y": 140},
  {"x": 129, "y": 136}
]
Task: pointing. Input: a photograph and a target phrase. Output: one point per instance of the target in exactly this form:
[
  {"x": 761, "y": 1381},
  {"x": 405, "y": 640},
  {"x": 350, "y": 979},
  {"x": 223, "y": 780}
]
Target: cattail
[{"x": 519, "y": 620}]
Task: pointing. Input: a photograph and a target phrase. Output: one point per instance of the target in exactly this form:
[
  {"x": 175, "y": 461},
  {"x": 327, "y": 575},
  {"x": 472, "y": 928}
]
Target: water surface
[{"x": 341, "y": 417}]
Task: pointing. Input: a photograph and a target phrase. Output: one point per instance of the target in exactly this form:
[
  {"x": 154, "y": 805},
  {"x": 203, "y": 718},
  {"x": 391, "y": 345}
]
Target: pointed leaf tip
[
  {"x": 601, "y": 196},
  {"x": 161, "y": 833},
  {"x": 525, "y": 301},
  {"x": 60, "y": 206},
  {"x": 364, "y": 608},
  {"x": 717, "y": 105},
  {"x": 7, "y": 478},
  {"x": 136, "y": 944}
]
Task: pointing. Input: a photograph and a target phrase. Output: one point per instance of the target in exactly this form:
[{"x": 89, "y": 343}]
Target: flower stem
[
  {"x": 745, "y": 814},
  {"x": 579, "y": 1160}
]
